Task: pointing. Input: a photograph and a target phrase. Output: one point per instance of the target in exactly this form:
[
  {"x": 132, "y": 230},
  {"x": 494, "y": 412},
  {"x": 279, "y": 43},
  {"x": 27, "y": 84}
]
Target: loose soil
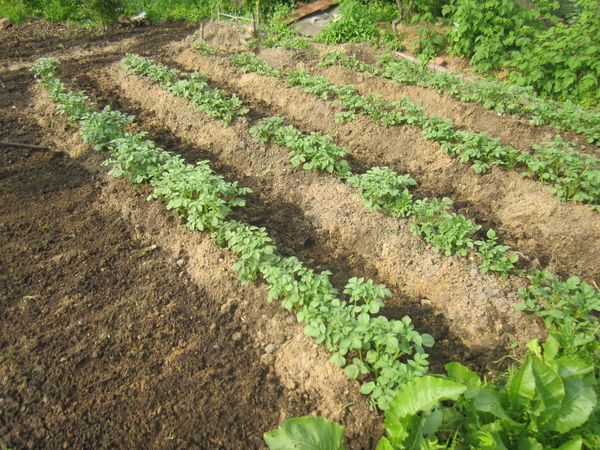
[
  {"x": 105, "y": 340},
  {"x": 525, "y": 213},
  {"x": 112, "y": 334}
]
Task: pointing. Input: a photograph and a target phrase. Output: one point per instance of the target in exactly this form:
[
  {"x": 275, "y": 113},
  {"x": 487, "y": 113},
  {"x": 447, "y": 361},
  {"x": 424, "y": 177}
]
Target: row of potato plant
[
  {"x": 383, "y": 189},
  {"x": 572, "y": 175},
  {"x": 503, "y": 98},
  {"x": 382, "y": 354},
  {"x": 192, "y": 86}
]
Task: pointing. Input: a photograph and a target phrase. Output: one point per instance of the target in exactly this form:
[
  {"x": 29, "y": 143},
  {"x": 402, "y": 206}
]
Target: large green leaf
[
  {"x": 574, "y": 444},
  {"x": 529, "y": 443},
  {"x": 384, "y": 444},
  {"x": 579, "y": 402},
  {"x": 487, "y": 400},
  {"x": 422, "y": 394},
  {"x": 459, "y": 373},
  {"x": 521, "y": 386},
  {"x": 306, "y": 433},
  {"x": 549, "y": 387}
]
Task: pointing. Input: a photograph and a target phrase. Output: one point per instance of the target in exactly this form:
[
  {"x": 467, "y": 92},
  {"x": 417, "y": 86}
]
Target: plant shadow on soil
[
  {"x": 105, "y": 341},
  {"x": 293, "y": 232}
]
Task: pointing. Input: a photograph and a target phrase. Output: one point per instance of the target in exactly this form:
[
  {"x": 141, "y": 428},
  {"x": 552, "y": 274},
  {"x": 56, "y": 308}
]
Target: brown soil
[
  {"x": 367, "y": 243},
  {"x": 524, "y": 212},
  {"x": 123, "y": 329},
  {"x": 105, "y": 340}
]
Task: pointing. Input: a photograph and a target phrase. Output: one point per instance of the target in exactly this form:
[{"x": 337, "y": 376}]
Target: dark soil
[{"x": 104, "y": 340}]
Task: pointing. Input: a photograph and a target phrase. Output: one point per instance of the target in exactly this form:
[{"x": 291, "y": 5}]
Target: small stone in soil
[
  {"x": 269, "y": 348},
  {"x": 236, "y": 337}
]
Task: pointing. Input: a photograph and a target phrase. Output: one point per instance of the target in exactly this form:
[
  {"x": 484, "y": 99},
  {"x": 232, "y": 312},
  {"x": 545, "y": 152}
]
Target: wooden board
[{"x": 311, "y": 8}]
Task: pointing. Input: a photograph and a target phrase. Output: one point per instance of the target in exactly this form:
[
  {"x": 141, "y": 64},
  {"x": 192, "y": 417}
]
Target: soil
[
  {"x": 122, "y": 328},
  {"x": 527, "y": 216},
  {"x": 113, "y": 337},
  {"x": 105, "y": 340}
]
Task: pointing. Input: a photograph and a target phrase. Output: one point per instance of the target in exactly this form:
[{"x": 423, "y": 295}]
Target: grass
[
  {"x": 92, "y": 12},
  {"x": 96, "y": 12}
]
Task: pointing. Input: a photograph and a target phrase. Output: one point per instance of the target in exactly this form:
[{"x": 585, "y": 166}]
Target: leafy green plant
[
  {"x": 137, "y": 158},
  {"x": 193, "y": 87},
  {"x": 312, "y": 151},
  {"x": 562, "y": 61},
  {"x": 101, "y": 128},
  {"x": 204, "y": 48},
  {"x": 487, "y": 31},
  {"x": 569, "y": 310},
  {"x": 429, "y": 44},
  {"x": 201, "y": 197},
  {"x": 253, "y": 246},
  {"x": 248, "y": 62},
  {"x": 306, "y": 433},
  {"x": 543, "y": 404},
  {"x": 448, "y": 232},
  {"x": 495, "y": 257},
  {"x": 280, "y": 34},
  {"x": 573, "y": 175},
  {"x": 382, "y": 188}
]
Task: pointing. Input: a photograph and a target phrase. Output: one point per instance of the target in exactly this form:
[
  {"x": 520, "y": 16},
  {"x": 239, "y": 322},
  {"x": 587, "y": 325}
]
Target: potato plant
[
  {"x": 193, "y": 87},
  {"x": 312, "y": 151},
  {"x": 502, "y": 97},
  {"x": 477, "y": 149},
  {"x": 383, "y": 189}
]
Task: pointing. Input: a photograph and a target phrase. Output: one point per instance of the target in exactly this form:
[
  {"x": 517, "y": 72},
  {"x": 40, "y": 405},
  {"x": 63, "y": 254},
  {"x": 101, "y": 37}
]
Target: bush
[{"x": 564, "y": 60}]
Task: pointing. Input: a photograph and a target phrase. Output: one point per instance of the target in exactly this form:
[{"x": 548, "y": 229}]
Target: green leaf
[
  {"x": 580, "y": 400},
  {"x": 421, "y": 394},
  {"x": 367, "y": 388},
  {"x": 529, "y": 443},
  {"x": 574, "y": 444},
  {"x": 351, "y": 371},
  {"x": 488, "y": 401},
  {"x": 549, "y": 387},
  {"x": 459, "y": 373},
  {"x": 306, "y": 433},
  {"x": 521, "y": 386},
  {"x": 384, "y": 444}
]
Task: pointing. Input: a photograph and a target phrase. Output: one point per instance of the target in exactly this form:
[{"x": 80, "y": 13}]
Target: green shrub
[{"x": 563, "y": 62}]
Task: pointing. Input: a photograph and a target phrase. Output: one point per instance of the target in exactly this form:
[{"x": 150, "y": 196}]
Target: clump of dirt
[{"x": 105, "y": 340}]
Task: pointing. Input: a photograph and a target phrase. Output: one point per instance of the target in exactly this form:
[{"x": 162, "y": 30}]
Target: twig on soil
[{"x": 17, "y": 144}]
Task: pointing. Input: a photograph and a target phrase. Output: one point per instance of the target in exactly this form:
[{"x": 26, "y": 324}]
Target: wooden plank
[{"x": 311, "y": 8}]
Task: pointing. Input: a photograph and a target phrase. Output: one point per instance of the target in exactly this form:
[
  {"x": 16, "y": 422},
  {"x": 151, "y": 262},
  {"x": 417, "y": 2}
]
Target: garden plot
[
  {"x": 345, "y": 228},
  {"x": 525, "y": 212},
  {"x": 339, "y": 280}
]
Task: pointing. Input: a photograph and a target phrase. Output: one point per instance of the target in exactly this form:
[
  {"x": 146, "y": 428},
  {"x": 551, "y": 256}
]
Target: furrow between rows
[
  {"x": 301, "y": 365},
  {"x": 478, "y": 308},
  {"x": 524, "y": 211}
]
